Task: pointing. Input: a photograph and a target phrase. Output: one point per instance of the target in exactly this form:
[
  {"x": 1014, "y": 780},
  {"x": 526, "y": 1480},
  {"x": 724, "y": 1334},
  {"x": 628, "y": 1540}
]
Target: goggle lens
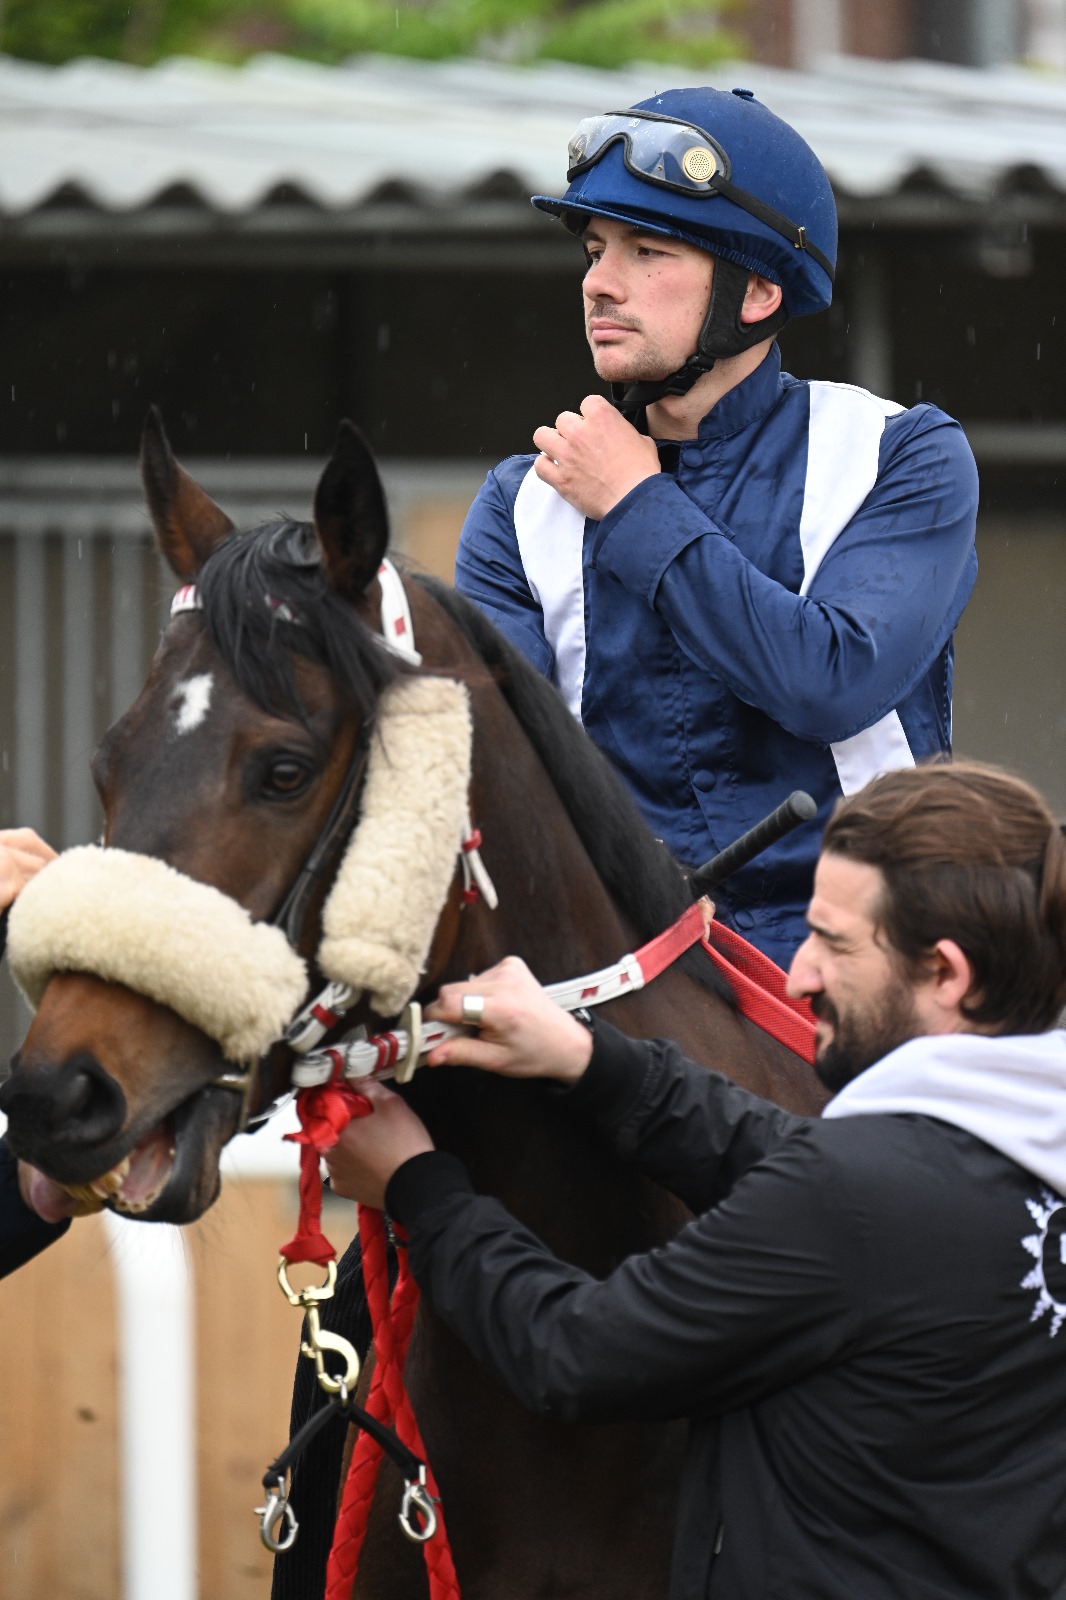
[{"x": 659, "y": 149}]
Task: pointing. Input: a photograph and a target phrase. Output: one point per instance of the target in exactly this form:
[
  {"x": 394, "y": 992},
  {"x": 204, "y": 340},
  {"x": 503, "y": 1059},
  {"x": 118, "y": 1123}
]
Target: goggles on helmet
[{"x": 680, "y": 156}]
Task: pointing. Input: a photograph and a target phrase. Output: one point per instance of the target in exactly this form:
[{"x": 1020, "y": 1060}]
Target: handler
[
  {"x": 761, "y": 595},
  {"x": 864, "y": 1323},
  {"x": 34, "y": 1211}
]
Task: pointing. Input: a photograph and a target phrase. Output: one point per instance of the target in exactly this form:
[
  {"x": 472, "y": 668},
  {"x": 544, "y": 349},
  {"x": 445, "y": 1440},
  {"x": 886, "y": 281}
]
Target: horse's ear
[
  {"x": 350, "y": 517},
  {"x": 188, "y": 524}
]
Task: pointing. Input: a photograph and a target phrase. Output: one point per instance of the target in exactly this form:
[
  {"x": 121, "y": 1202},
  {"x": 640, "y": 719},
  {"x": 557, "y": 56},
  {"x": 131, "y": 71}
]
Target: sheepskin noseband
[
  {"x": 379, "y": 920},
  {"x": 134, "y": 920}
]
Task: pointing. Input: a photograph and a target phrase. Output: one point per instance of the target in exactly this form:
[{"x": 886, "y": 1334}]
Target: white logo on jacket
[{"x": 1041, "y": 1245}]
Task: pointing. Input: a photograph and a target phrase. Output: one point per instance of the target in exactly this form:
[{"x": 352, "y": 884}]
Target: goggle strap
[{"x": 781, "y": 224}]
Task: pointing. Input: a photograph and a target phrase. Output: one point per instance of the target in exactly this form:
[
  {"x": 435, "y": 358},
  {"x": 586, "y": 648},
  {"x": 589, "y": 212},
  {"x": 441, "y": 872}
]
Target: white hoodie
[{"x": 1009, "y": 1091}]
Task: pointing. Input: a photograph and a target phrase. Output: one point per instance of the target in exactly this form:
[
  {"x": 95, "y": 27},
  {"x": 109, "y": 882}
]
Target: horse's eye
[{"x": 285, "y": 778}]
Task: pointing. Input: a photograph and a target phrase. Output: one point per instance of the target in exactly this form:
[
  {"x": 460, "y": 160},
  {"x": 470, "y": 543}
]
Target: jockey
[{"x": 741, "y": 582}]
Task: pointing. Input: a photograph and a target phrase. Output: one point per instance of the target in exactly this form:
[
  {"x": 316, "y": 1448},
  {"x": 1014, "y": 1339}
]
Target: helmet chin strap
[{"x": 723, "y": 334}]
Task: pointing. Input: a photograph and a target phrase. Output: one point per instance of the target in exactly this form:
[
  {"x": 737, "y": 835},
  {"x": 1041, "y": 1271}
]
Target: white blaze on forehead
[{"x": 193, "y": 699}]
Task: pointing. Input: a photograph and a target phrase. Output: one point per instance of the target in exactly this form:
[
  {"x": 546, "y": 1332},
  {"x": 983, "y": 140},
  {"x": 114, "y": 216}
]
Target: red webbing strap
[
  {"x": 661, "y": 952},
  {"x": 390, "y": 1403},
  {"x": 759, "y": 985}
]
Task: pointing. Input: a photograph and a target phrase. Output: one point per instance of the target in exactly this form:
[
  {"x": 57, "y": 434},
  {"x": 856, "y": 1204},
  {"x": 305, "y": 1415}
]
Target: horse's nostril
[
  {"x": 73, "y": 1097},
  {"x": 77, "y": 1103}
]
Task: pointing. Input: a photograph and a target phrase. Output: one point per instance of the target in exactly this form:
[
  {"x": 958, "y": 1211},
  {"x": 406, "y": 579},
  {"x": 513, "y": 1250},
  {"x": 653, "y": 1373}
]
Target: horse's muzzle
[{"x": 67, "y": 1111}]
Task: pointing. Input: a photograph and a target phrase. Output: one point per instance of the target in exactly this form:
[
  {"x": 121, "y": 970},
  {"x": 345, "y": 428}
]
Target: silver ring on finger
[{"x": 473, "y": 1009}]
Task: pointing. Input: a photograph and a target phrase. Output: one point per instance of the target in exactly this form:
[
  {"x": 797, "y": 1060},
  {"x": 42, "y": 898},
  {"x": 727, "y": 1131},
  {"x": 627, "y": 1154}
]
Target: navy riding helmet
[{"x": 722, "y": 172}]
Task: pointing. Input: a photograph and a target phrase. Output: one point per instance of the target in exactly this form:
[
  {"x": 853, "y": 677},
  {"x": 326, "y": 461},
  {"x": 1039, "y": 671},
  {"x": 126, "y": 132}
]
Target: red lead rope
[{"x": 326, "y": 1110}]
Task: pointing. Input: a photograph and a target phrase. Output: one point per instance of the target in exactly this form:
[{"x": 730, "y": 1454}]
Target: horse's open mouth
[
  {"x": 170, "y": 1174},
  {"x": 137, "y": 1181}
]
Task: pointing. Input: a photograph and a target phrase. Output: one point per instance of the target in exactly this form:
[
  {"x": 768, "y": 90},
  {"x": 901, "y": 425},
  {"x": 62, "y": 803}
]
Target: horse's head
[{"x": 228, "y": 768}]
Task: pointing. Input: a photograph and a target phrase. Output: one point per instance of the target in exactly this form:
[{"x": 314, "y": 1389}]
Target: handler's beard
[{"x": 863, "y": 1035}]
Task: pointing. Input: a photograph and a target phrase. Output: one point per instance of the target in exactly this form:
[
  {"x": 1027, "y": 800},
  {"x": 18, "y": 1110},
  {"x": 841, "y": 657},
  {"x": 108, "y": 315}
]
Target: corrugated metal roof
[{"x": 120, "y": 138}]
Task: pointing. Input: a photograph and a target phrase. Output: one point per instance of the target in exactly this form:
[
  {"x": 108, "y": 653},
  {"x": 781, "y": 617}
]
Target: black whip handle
[{"x": 799, "y": 807}]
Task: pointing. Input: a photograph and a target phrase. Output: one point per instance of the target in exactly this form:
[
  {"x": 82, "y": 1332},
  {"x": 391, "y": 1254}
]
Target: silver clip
[
  {"x": 418, "y": 1502},
  {"x": 277, "y": 1509}
]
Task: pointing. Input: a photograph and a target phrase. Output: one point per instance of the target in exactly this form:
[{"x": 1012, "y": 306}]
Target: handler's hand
[
  {"x": 523, "y": 1033},
  {"x": 370, "y": 1149},
  {"x": 22, "y": 855},
  {"x": 595, "y": 458}
]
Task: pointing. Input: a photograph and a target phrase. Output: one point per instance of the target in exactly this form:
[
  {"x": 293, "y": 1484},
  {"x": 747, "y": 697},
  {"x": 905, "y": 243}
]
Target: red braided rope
[
  {"x": 325, "y": 1112},
  {"x": 390, "y": 1403}
]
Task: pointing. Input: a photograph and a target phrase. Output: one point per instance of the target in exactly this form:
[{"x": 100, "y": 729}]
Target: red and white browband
[{"x": 397, "y": 629}]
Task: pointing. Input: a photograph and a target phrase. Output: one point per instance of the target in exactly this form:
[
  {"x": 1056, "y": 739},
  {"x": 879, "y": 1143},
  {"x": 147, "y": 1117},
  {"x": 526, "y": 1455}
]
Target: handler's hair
[{"x": 970, "y": 853}]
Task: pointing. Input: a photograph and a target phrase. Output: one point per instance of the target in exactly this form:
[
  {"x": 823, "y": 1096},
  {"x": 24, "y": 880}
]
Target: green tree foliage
[{"x": 603, "y": 33}]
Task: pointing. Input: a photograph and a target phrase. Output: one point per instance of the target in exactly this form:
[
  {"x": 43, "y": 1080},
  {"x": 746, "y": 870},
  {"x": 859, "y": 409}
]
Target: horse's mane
[
  {"x": 266, "y": 596},
  {"x": 637, "y": 870}
]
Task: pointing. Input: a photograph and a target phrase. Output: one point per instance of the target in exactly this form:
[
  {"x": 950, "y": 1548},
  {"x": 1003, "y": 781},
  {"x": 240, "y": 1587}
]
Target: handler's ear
[
  {"x": 188, "y": 524},
  {"x": 949, "y": 983},
  {"x": 351, "y": 521}
]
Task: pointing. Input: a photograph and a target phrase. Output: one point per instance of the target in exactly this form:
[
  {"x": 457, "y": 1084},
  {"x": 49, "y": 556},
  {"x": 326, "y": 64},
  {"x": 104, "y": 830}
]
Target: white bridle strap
[
  {"x": 361, "y": 1057},
  {"x": 397, "y": 629}
]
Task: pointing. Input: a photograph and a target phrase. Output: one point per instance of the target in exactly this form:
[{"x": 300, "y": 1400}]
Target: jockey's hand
[
  {"x": 594, "y": 457},
  {"x": 522, "y": 1032},
  {"x": 22, "y": 855},
  {"x": 370, "y": 1149}
]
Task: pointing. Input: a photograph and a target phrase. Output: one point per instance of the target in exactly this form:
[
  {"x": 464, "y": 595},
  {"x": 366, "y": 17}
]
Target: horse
[{"x": 232, "y": 767}]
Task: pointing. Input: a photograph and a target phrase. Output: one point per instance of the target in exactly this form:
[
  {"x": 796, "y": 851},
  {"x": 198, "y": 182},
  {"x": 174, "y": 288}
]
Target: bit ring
[{"x": 473, "y": 1009}]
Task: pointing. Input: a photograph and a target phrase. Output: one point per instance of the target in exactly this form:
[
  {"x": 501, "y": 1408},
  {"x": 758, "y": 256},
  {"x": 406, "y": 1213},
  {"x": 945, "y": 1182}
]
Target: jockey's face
[
  {"x": 646, "y": 296},
  {"x": 865, "y": 1001}
]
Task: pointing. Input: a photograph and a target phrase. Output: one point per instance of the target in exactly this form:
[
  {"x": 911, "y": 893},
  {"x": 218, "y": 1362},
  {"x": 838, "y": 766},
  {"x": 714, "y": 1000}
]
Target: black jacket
[
  {"x": 22, "y": 1232},
  {"x": 875, "y": 1409}
]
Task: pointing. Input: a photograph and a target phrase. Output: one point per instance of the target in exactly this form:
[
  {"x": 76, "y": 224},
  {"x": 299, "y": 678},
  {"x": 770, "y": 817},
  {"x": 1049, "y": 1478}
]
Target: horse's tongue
[{"x": 50, "y": 1200}]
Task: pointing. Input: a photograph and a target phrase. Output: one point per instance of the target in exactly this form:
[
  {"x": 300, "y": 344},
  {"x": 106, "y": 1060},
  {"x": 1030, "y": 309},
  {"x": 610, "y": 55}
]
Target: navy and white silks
[{"x": 773, "y": 611}]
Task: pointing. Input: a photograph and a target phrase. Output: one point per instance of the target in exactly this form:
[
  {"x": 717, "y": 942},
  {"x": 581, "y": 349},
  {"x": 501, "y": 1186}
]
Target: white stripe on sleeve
[{"x": 550, "y": 542}]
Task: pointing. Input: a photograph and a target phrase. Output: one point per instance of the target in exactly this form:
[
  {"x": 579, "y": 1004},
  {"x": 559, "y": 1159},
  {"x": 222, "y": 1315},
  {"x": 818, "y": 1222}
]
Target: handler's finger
[
  {"x": 26, "y": 839},
  {"x": 470, "y": 1050},
  {"x": 493, "y": 982}
]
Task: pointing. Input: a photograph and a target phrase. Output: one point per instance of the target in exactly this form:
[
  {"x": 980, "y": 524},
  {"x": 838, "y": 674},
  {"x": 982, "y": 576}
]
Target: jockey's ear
[
  {"x": 350, "y": 517},
  {"x": 188, "y": 524}
]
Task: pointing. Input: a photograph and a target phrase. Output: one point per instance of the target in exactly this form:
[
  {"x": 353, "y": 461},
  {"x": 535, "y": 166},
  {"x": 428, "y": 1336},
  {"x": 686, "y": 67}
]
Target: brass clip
[{"x": 320, "y": 1340}]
